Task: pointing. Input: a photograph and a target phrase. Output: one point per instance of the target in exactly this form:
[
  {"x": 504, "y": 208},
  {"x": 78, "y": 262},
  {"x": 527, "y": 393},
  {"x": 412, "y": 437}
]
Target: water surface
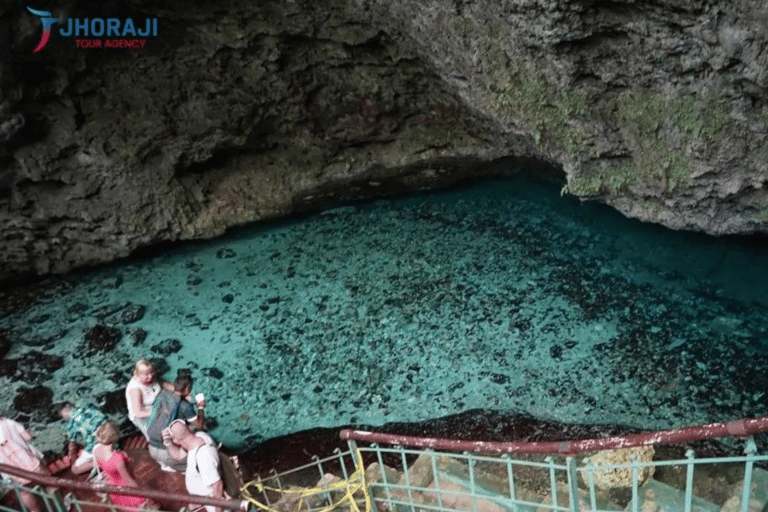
[{"x": 497, "y": 294}]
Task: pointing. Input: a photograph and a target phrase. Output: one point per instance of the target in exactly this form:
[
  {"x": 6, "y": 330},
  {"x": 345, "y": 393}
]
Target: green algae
[{"x": 648, "y": 122}]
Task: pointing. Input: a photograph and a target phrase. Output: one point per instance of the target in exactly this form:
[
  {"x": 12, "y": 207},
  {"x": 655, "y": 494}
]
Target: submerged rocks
[
  {"x": 166, "y": 347},
  {"x": 113, "y": 402},
  {"x": 212, "y": 372},
  {"x": 138, "y": 336},
  {"x": 225, "y": 253},
  {"x": 5, "y": 345},
  {"x": 36, "y": 401},
  {"x": 133, "y": 313},
  {"x": 102, "y": 338},
  {"x": 33, "y": 367}
]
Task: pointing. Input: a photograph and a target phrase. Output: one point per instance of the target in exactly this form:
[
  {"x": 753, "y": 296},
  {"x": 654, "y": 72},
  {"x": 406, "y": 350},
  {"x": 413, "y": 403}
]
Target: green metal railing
[
  {"x": 48, "y": 494},
  {"x": 408, "y": 474}
]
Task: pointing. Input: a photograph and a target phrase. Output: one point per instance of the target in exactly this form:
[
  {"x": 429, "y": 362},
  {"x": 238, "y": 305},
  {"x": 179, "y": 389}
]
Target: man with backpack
[{"x": 170, "y": 406}]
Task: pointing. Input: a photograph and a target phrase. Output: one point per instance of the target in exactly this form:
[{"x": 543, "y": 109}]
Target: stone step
[
  {"x": 660, "y": 497},
  {"x": 758, "y": 497}
]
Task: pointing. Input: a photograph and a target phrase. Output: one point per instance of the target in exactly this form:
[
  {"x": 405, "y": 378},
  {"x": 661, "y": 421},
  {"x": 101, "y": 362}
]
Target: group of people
[{"x": 162, "y": 411}]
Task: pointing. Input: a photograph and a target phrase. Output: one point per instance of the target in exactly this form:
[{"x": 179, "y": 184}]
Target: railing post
[
  {"x": 750, "y": 452},
  {"x": 635, "y": 490},
  {"x": 591, "y": 483},
  {"x": 573, "y": 483},
  {"x": 55, "y": 502},
  {"x": 552, "y": 481},
  {"x": 689, "y": 480},
  {"x": 511, "y": 477},
  {"x": 382, "y": 468},
  {"x": 436, "y": 480},
  {"x": 472, "y": 488},
  {"x": 407, "y": 477}
]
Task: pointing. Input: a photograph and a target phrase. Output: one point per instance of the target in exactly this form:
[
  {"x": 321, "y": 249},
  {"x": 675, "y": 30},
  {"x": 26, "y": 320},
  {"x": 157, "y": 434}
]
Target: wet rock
[
  {"x": 138, "y": 336},
  {"x": 113, "y": 282},
  {"x": 161, "y": 367},
  {"x": 212, "y": 372},
  {"x": 194, "y": 281},
  {"x": 225, "y": 253},
  {"x": 102, "y": 338},
  {"x": 77, "y": 310},
  {"x": 228, "y": 298},
  {"x": 166, "y": 347},
  {"x": 556, "y": 352},
  {"x": 45, "y": 340},
  {"x": 107, "y": 311},
  {"x": 33, "y": 367},
  {"x": 39, "y": 319},
  {"x": 7, "y": 367},
  {"x": 193, "y": 265},
  {"x": 5, "y": 345},
  {"x": 133, "y": 313},
  {"x": 113, "y": 402},
  {"x": 224, "y": 284},
  {"x": 35, "y": 401},
  {"x": 570, "y": 343}
]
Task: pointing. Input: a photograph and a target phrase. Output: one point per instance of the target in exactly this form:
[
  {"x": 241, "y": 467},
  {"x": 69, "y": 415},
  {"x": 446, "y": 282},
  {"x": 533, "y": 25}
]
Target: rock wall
[{"x": 244, "y": 111}]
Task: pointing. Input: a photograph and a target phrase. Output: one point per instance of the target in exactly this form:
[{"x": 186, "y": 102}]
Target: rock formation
[{"x": 244, "y": 111}]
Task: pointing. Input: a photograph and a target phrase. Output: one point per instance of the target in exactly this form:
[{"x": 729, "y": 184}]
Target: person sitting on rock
[
  {"x": 167, "y": 408},
  {"x": 202, "y": 476},
  {"x": 141, "y": 392},
  {"x": 81, "y": 426}
]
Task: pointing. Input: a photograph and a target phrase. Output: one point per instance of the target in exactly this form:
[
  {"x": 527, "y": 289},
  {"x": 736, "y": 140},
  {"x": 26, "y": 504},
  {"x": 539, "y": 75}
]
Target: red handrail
[
  {"x": 64, "y": 483},
  {"x": 739, "y": 428}
]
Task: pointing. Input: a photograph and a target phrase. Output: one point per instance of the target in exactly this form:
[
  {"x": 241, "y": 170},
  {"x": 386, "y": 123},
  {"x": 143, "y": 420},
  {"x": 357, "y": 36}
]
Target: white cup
[{"x": 199, "y": 397}]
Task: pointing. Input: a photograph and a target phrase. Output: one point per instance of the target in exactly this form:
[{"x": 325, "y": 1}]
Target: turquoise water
[{"x": 497, "y": 294}]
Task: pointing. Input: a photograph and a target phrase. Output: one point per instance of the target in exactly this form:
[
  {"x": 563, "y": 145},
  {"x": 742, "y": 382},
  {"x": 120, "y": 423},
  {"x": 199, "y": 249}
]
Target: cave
[{"x": 536, "y": 133}]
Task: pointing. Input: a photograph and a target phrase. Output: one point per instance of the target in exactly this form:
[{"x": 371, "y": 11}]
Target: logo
[
  {"x": 88, "y": 32},
  {"x": 47, "y": 18}
]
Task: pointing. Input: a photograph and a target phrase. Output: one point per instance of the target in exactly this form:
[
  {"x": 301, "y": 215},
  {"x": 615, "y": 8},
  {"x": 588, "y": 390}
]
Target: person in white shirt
[
  {"x": 202, "y": 476},
  {"x": 141, "y": 392}
]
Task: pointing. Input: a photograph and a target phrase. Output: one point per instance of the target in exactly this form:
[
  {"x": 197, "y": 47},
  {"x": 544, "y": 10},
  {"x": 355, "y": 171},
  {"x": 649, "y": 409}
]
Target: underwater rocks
[
  {"x": 212, "y": 372},
  {"x": 138, "y": 336},
  {"x": 133, "y": 313},
  {"x": 35, "y": 402},
  {"x": 33, "y": 367},
  {"x": 5, "y": 345},
  {"x": 113, "y": 402},
  {"x": 102, "y": 338},
  {"x": 166, "y": 347},
  {"x": 127, "y": 313}
]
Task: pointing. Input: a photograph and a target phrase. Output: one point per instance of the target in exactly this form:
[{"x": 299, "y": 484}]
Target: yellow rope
[{"x": 355, "y": 483}]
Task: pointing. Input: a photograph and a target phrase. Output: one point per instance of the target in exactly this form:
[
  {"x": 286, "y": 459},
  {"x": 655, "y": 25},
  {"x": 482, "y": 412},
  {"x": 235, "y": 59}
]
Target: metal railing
[
  {"x": 48, "y": 493},
  {"x": 410, "y": 474}
]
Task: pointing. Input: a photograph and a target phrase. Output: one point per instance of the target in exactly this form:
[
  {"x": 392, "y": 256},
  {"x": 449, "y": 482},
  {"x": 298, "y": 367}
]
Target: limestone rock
[
  {"x": 621, "y": 477},
  {"x": 657, "y": 109}
]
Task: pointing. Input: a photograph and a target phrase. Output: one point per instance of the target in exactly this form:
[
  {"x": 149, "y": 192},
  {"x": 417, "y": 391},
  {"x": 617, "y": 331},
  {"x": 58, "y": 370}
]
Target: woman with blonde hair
[
  {"x": 114, "y": 464},
  {"x": 141, "y": 392}
]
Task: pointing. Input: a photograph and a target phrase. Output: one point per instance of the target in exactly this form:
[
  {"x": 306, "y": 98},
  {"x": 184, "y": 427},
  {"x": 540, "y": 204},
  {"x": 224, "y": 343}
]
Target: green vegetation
[
  {"x": 545, "y": 110},
  {"x": 550, "y": 114}
]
